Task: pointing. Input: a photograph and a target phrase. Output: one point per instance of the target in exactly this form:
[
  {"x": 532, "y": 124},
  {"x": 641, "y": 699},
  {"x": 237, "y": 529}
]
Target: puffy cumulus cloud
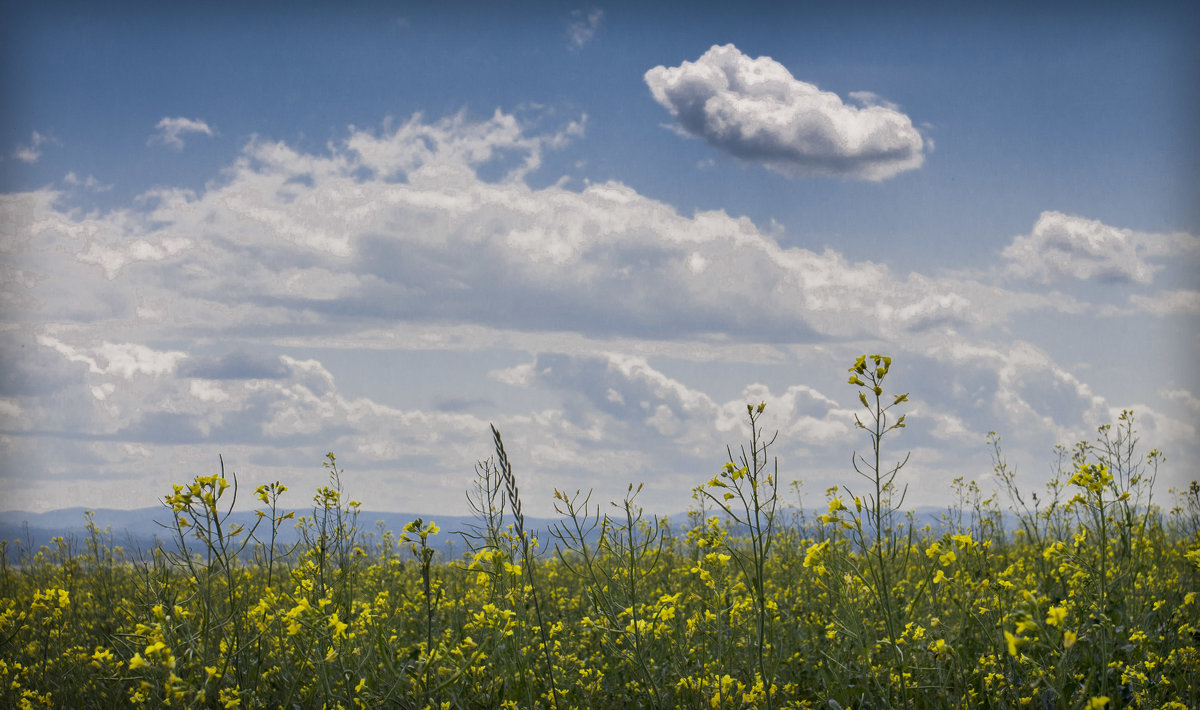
[
  {"x": 959, "y": 392},
  {"x": 170, "y": 131},
  {"x": 619, "y": 402},
  {"x": 755, "y": 110},
  {"x": 188, "y": 322},
  {"x": 804, "y": 415},
  {"x": 397, "y": 225},
  {"x": 125, "y": 404},
  {"x": 444, "y": 149},
  {"x": 1016, "y": 388},
  {"x": 617, "y": 389},
  {"x": 1063, "y": 246}
]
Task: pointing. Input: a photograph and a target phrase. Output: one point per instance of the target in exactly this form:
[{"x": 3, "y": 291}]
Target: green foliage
[{"x": 1089, "y": 601}]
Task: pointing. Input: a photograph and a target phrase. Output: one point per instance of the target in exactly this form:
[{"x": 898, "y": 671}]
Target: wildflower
[
  {"x": 1013, "y": 642},
  {"x": 812, "y": 558},
  {"x": 229, "y": 697},
  {"x": 102, "y": 654},
  {"x": 136, "y": 662},
  {"x": 1056, "y": 615},
  {"x": 1097, "y": 703},
  {"x": 338, "y": 626}
]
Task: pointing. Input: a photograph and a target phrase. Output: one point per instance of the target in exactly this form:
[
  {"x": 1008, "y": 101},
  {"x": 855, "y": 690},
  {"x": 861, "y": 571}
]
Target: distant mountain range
[{"x": 142, "y": 528}]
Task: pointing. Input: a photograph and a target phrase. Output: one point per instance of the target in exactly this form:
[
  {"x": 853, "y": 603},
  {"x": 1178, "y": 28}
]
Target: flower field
[{"x": 1084, "y": 595}]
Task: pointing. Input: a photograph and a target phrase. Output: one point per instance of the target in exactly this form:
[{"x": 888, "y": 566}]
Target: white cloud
[
  {"x": 33, "y": 152},
  {"x": 1186, "y": 399},
  {"x": 440, "y": 150},
  {"x": 1063, "y": 246},
  {"x": 171, "y": 131},
  {"x": 391, "y": 240},
  {"x": 123, "y": 359},
  {"x": 12, "y": 416},
  {"x": 755, "y": 110},
  {"x": 1016, "y": 387},
  {"x": 113, "y": 259},
  {"x": 90, "y": 182},
  {"x": 1178, "y": 302},
  {"x": 207, "y": 391},
  {"x": 949, "y": 427},
  {"x": 583, "y": 26},
  {"x": 298, "y": 238}
]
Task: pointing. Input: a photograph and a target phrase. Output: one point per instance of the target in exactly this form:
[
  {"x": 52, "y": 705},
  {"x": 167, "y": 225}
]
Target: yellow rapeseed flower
[
  {"x": 1013, "y": 642},
  {"x": 1056, "y": 615}
]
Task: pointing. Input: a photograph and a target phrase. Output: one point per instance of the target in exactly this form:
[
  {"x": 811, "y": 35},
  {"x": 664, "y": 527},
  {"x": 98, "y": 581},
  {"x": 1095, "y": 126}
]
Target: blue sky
[{"x": 275, "y": 232}]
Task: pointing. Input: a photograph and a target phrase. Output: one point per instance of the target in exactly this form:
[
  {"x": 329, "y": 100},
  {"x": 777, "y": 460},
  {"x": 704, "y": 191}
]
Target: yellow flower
[
  {"x": 102, "y": 654},
  {"x": 813, "y": 555},
  {"x": 1069, "y": 639},
  {"x": 136, "y": 662},
  {"x": 1013, "y": 642},
  {"x": 1056, "y": 615},
  {"x": 338, "y": 626},
  {"x": 1097, "y": 703}
]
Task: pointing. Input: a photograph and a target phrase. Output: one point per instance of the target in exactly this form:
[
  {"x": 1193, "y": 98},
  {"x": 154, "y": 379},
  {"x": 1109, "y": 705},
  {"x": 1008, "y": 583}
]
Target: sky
[{"x": 264, "y": 232}]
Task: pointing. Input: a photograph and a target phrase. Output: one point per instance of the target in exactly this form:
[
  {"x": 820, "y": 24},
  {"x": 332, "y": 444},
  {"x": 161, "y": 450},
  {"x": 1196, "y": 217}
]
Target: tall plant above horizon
[
  {"x": 747, "y": 490},
  {"x": 527, "y": 555},
  {"x": 883, "y": 547}
]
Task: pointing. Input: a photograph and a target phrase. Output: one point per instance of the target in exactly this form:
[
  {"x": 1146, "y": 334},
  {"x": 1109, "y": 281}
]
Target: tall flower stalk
[
  {"x": 868, "y": 374},
  {"x": 514, "y": 499},
  {"x": 747, "y": 490}
]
